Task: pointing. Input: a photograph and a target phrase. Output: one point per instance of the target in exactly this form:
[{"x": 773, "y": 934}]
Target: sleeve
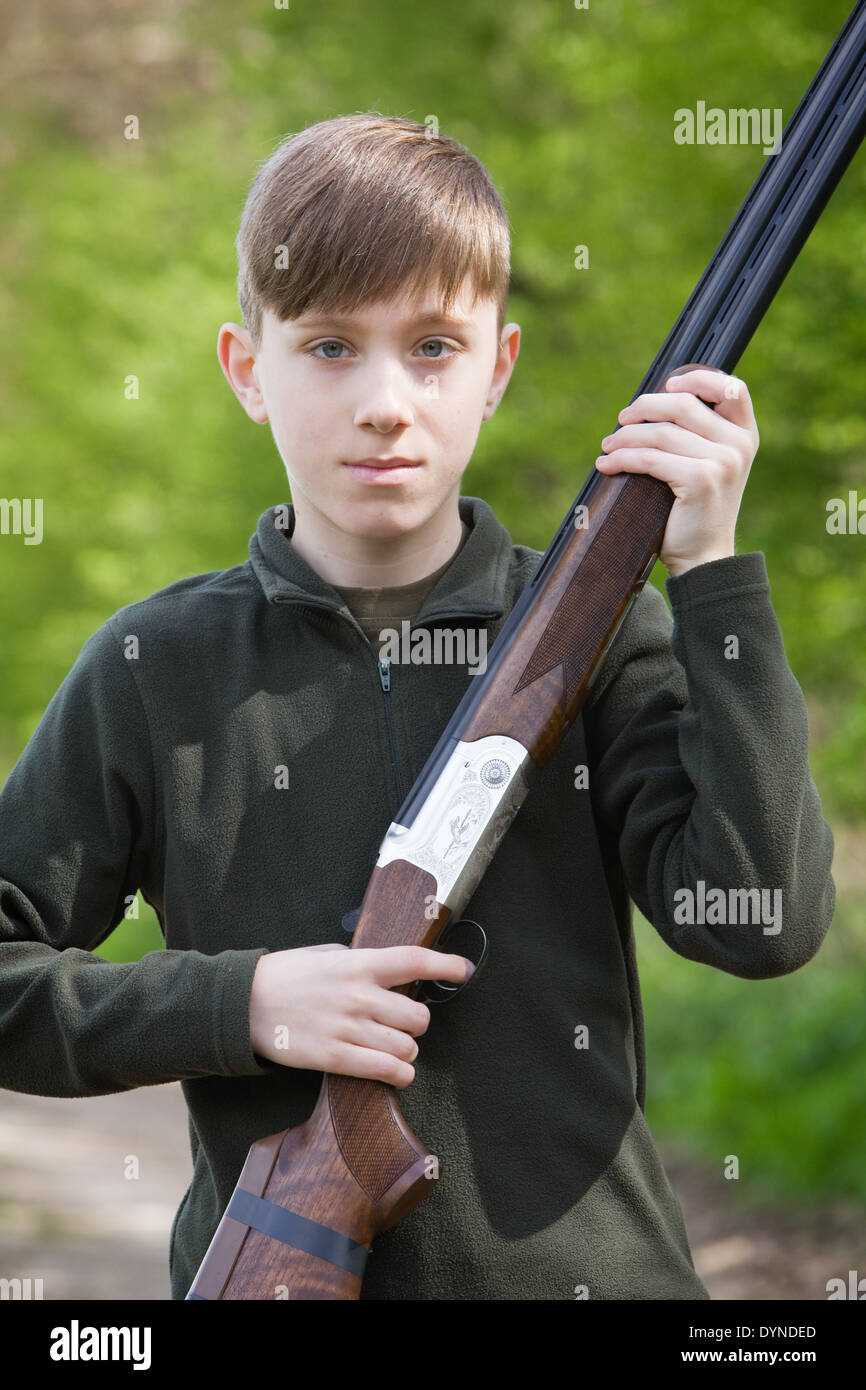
[
  {"x": 698, "y": 751},
  {"x": 78, "y": 823}
]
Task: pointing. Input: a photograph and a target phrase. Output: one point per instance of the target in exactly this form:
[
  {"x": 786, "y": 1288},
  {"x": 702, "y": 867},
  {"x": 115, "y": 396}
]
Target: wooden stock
[{"x": 354, "y": 1167}]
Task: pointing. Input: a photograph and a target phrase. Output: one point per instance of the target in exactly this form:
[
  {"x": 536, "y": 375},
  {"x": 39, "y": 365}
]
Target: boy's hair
[{"x": 362, "y": 207}]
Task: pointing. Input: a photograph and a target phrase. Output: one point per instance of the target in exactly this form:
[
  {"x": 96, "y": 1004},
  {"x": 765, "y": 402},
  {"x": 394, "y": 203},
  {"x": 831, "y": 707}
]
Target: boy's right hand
[{"x": 332, "y": 1008}]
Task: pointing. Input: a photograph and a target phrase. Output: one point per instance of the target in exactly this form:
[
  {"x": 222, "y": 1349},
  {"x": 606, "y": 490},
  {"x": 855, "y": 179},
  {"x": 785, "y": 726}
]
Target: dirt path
[
  {"x": 68, "y": 1213},
  {"x": 70, "y": 1216},
  {"x": 763, "y": 1252}
]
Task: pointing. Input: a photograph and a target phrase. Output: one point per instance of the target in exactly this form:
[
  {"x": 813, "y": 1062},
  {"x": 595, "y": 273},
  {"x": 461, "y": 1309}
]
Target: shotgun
[{"x": 310, "y": 1200}]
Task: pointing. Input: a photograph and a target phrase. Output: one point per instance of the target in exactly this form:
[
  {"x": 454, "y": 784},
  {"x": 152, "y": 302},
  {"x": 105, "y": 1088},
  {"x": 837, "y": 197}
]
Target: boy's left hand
[{"x": 703, "y": 454}]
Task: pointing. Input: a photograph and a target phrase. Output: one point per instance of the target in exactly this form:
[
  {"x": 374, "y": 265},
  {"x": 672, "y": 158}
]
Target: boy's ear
[
  {"x": 509, "y": 347},
  {"x": 238, "y": 361}
]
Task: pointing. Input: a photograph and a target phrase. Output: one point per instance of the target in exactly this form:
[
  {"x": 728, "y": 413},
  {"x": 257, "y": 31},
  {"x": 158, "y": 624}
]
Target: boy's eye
[
  {"x": 329, "y": 344},
  {"x": 335, "y": 356},
  {"x": 441, "y": 343}
]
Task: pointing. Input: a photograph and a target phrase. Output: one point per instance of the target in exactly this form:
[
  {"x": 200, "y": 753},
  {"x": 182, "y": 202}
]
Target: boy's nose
[{"x": 385, "y": 400}]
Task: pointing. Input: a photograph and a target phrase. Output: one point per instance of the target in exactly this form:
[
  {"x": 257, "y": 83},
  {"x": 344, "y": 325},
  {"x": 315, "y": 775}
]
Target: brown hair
[{"x": 362, "y": 207}]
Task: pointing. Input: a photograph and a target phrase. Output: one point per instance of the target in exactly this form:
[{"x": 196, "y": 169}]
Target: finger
[
  {"x": 673, "y": 469},
  {"x": 364, "y": 1032},
  {"x": 329, "y": 946},
  {"x": 729, "y": 394},
  {"x": 675, "y": 439},
  {"x": 366, "y": 1062},
  {"x": 680, "y": 408},
  {"x": 398, "y": 1011},
  {"x": 400, "y": 965}
]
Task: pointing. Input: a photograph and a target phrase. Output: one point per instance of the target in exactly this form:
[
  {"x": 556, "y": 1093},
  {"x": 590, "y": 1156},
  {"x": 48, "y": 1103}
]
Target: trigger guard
[{"x": 448, "y": 991}]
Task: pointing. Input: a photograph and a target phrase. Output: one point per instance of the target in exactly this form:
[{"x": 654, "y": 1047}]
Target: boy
[{"x": 234, "y": 747}]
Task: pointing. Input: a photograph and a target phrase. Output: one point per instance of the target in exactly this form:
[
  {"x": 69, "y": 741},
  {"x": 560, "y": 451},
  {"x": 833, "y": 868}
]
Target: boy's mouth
[{"x": 388, "y": 470}]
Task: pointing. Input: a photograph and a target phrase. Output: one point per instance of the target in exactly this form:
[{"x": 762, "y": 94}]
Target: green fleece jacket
[{"x": 155, "y": 767}]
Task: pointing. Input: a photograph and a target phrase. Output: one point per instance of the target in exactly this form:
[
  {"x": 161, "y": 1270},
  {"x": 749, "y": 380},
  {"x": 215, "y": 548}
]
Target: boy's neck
[{"x": 344, "y": 560}]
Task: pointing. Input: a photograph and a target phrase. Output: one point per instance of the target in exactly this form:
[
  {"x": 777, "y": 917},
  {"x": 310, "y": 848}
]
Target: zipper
[
  {"x": 384, "y": 667},
  {"x": 385, "y": 682}
]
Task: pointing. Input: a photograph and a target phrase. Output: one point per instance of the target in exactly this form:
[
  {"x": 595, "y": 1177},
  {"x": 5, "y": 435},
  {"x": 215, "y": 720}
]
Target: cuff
[
  {"x": 233, "y": 1046},
  {"x": 719, "y": 579}
]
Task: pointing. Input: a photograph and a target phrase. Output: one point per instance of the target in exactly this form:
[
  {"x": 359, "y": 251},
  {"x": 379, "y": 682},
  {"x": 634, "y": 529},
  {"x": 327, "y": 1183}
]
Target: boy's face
[{"x": 394, "y": 379}]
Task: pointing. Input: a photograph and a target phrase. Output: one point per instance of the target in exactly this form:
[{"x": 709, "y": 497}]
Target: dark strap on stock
[{"x": 297, "y": 1231}]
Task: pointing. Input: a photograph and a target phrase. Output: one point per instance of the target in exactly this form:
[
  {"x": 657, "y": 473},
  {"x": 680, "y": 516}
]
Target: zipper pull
[{"x": 385, "y": 674}]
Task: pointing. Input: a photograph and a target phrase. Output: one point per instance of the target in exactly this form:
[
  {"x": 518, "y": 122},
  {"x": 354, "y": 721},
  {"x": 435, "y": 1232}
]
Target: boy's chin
[{"x": 379, "y": 517}]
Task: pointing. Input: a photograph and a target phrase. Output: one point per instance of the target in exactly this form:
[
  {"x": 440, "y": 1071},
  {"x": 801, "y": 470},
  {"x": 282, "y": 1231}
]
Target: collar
[{"x": 474, "y": 584}]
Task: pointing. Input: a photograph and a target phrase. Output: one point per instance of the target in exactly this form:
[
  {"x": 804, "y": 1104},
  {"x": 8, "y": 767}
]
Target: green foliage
[
  {"x": 134, "y": 937},
  {"x": 768, "y": 1070},
  {"x": 119, "y": 261}
]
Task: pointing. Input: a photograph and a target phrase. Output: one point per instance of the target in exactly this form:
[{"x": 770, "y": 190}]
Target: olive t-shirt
[{"x": 388, "y": 606}]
